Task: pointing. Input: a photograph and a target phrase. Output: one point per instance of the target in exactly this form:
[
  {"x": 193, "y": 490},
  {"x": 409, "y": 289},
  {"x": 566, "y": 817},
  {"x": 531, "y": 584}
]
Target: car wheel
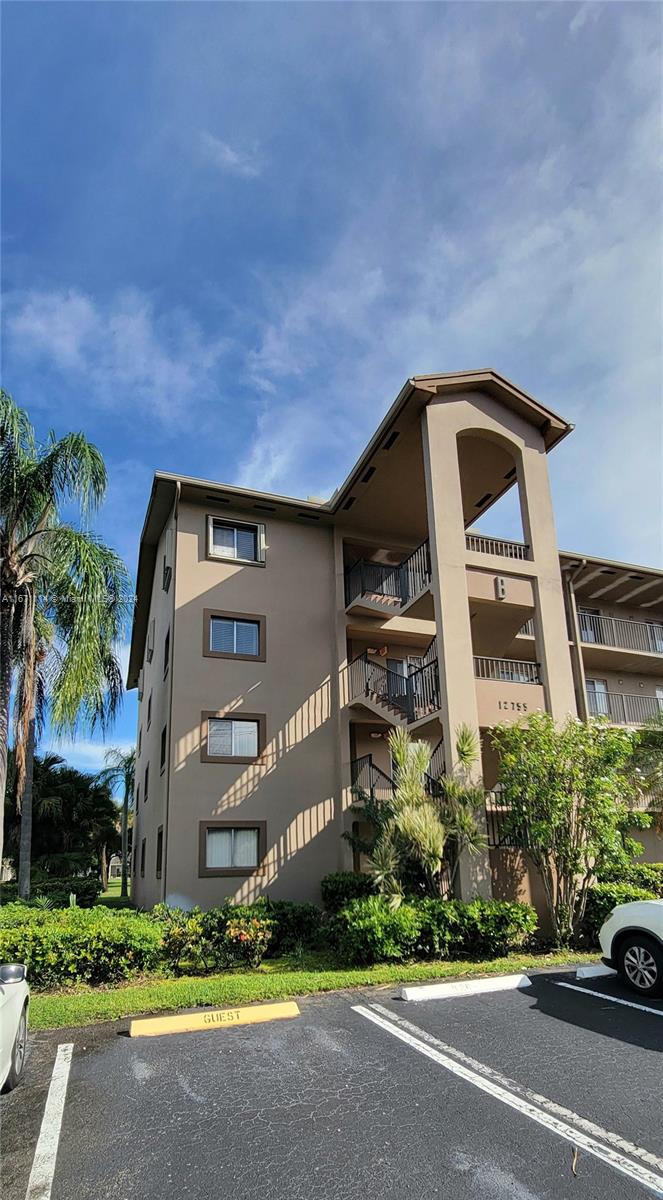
[
  {"x": 18, "y": 1053},
  {"x": 640, "y": 961}
]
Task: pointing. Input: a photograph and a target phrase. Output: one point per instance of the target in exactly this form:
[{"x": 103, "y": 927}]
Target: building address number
[{"x": 512, "y": 706}]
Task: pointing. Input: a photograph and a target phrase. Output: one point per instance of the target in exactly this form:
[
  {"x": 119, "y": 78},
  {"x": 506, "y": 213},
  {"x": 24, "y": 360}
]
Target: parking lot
[{"x": 553, "y": 1091}]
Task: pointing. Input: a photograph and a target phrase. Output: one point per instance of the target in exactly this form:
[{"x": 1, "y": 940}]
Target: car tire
[
  {"x": 18, "y": 1052},
  {"x": 640, "y": 963}
]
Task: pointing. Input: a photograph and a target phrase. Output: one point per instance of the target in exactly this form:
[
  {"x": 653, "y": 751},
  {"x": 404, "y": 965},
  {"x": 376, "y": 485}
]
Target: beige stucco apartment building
[{"x": 277, "y": 641}]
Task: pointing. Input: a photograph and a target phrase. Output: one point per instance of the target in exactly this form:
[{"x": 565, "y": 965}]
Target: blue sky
[{"x": 230, "y": 233}]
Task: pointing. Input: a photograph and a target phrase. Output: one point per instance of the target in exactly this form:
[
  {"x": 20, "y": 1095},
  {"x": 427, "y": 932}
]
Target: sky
[{"x": 232, "y": 231}]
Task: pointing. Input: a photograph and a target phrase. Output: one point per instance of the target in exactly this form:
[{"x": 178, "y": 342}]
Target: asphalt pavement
[{"x": 550, "y": 1092}]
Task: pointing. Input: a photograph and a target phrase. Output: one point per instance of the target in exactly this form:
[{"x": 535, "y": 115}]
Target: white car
[
  {"x": 14, "y": 1001},
  {"x": 632, "y": 942}
]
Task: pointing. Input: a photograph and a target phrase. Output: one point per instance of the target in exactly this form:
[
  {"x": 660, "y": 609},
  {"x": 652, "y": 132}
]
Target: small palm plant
[{"x": 419, "y": 835}]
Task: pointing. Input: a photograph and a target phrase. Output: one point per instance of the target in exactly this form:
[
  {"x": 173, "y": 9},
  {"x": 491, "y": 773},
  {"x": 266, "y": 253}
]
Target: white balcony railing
[
  {"x": 622, "y": 633},
  {"x": 506, "y": 670},
  {"x": 498, "y": 546},
  {"x": 623, "y": 708}
]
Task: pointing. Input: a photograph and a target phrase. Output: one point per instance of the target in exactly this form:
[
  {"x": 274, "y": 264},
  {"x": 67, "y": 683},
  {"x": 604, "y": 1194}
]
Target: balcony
[
  {"x": 401, "y": 699},
  {"x": 389, "y": 587},
  {"x": 496, "y": 546},
  {"x": 642, "y": 636},
  {"x": 506, "y": 670},
  {"x": 622, "y": 708}
]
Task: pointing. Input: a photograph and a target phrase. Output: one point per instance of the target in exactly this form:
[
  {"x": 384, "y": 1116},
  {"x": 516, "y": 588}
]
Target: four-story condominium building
[{"x": 276, "y": 642}]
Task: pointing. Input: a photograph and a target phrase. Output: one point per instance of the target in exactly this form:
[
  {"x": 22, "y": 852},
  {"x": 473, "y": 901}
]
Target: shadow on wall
[{"x": 303, "y": 729}]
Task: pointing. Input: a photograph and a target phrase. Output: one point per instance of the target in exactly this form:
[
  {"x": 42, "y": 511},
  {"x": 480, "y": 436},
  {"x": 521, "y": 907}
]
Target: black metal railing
[
  {"x": 413, "y": 696},
  {"x": 499, "y": 546},
  {"x": 506, "y": 670},
  {"x": 500, "y": 829},
  {"x": 623, "y": 708},
  {"x": 366, "y": 777},
  {"x": 396, "y": 584}
]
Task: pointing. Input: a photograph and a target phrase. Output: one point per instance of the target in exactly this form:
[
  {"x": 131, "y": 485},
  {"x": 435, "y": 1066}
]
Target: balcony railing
[
  {"x": 506, "y": 670},
  {"x": 500, "y": 829},
  {"x": 366, "y": 777},
  {"x": 623, "y": 708},
  {"x": 498, "y": 546},
  {"x": 398, "y": 584},
  {"x": 619, "y": 632},
  {"x": 411, "y": 696}
]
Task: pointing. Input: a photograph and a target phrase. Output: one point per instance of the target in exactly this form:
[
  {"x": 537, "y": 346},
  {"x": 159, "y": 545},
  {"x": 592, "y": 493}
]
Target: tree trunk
[
  {"x": 25, "y": 848},
  {"x": 124, "y": 890},
  {"x": 6, "y": 621},
  {"x": 103, "y": 868}
]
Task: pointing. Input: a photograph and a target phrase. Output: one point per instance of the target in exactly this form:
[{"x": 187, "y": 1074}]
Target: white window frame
[
  {"x": 233, "y": 721},
  {"x": 235, "y": 621},
  {"x": 259, "y": 529}
]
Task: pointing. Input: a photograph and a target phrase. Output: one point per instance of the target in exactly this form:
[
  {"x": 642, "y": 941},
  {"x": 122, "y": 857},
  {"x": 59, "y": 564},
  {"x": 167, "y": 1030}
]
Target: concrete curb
[
  {"x": 595, "y": 971},
  {"x": 464, "y": 987}
]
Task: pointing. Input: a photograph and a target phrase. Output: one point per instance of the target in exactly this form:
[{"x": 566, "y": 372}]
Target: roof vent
[
  {"x": 350, "y": 502},
  {"x": 265, "y": 507},
  {"x": 608, "y": 571},
  {"x": 218, "y": 499},
  {"x": 487, "y": 496},
  {"x": 510, "y": 474},
  {"x": 390, "y": 440},
  {"x": 309, "y": 516},
  {"x": 368, "y": 475}
]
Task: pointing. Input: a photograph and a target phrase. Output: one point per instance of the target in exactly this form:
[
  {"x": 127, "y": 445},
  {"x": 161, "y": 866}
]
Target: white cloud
[
  {"x": 122, "y": 351},
  {"x": 553, "y": 278},
  {"x": 245, "y": 163},
  {"x": 83, "y": 754}
]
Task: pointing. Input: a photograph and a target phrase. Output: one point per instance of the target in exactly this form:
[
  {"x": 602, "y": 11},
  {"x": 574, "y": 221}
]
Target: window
[
  {"x": 598, "y": 699},
  {"x": 244, "y": 543},
  {"x": 137, "y": 796},
  {"x": 233, "y": 738},
  {"x": 162, "y": 756},
  {"x": 146, "y": 783},
  {"x": 234, "y": 635},
  {"x": 140, "y": 739},
  {"x": 149, "y": 653},
  {"x": 167, "y": 560},
  {"x": 142, "y": 857},
  {"x": 166, "y": 654},
  {"x": 149, "y": 710},
  {"x": 231, "y": 848},
  {"x": 133, "y": 861},
  {"x": 159, "y": 850}
]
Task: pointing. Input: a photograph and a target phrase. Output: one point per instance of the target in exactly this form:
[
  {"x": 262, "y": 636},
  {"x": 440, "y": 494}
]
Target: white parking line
[
  {"x": 657, "y": 1012},
  {"x": 537, "y": 1108},
  {"x": 43, "y": 1166}
]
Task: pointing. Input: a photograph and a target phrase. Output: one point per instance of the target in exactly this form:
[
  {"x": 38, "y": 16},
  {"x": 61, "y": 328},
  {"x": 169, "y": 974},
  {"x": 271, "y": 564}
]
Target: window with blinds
[
  {"x": 245, "y": 543},
  {"x": 231, "y": 848},
  {"x": 229, "y": 738},
  {"x": 229, "y": 636}
]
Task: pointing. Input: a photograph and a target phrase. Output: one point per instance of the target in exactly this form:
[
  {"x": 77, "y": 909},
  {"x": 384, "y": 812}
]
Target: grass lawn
[
  {"x": 279, "y": 979},
  {"x": 112, "y": 898}
]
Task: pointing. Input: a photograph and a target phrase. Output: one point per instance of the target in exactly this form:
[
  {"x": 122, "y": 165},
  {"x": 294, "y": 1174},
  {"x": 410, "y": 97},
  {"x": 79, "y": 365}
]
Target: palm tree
[
  {"x": 52, "y": 572},
  {"x": 121, "y": 771}
]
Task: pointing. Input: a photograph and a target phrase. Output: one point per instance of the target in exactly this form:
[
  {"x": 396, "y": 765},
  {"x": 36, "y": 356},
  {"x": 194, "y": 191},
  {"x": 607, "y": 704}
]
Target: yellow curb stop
[{"x": 217, "y": 1018}]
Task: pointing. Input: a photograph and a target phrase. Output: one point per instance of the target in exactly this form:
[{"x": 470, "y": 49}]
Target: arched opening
[{"x": 493, "y": 504}]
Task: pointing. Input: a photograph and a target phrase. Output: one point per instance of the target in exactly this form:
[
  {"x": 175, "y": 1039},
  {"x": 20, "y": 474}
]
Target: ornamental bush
[
  {"x": 73, "y": 945},
  {"x": 295, "y": 925},
  {"x": 603, "y": 897},
  {"x": 227, "y": 936},
  {"x": 643, "y": 875},
  {"x": 370, "y": 931},
  {"x": 339, "y": 888}
]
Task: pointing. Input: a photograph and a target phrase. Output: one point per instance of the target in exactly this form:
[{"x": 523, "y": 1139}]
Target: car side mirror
[{"x": 12, "y": 972}]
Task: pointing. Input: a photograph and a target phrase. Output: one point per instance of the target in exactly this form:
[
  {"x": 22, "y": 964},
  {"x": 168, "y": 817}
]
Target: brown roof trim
[{"x": 570, "y": 560}]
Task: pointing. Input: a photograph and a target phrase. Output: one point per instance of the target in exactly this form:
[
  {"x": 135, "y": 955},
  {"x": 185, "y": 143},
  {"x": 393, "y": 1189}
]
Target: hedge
[
  {"x": 86, "y": 889},
  {"x": 370, "y": 930},
  {"x": 339, "y": 888},
  {"x": 603, "y": 897},
  {"x": 78, "y": 945},
  {"x": 642, "y": 875}
]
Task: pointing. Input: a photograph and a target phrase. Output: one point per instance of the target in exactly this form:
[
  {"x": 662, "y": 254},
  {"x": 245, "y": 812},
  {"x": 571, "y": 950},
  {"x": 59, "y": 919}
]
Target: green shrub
[
  {"x": 367, "y": 931},
  {"x": 74, "y": 945},
  {"x": 603, "y": 897},
  {"x": 295, "y": 925},
  {"x": 643, "y": 875},
  {"x": 341, "y": 887},
  {"x": 86, "y": 888},
  {"x": 228, "y": 936}
]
